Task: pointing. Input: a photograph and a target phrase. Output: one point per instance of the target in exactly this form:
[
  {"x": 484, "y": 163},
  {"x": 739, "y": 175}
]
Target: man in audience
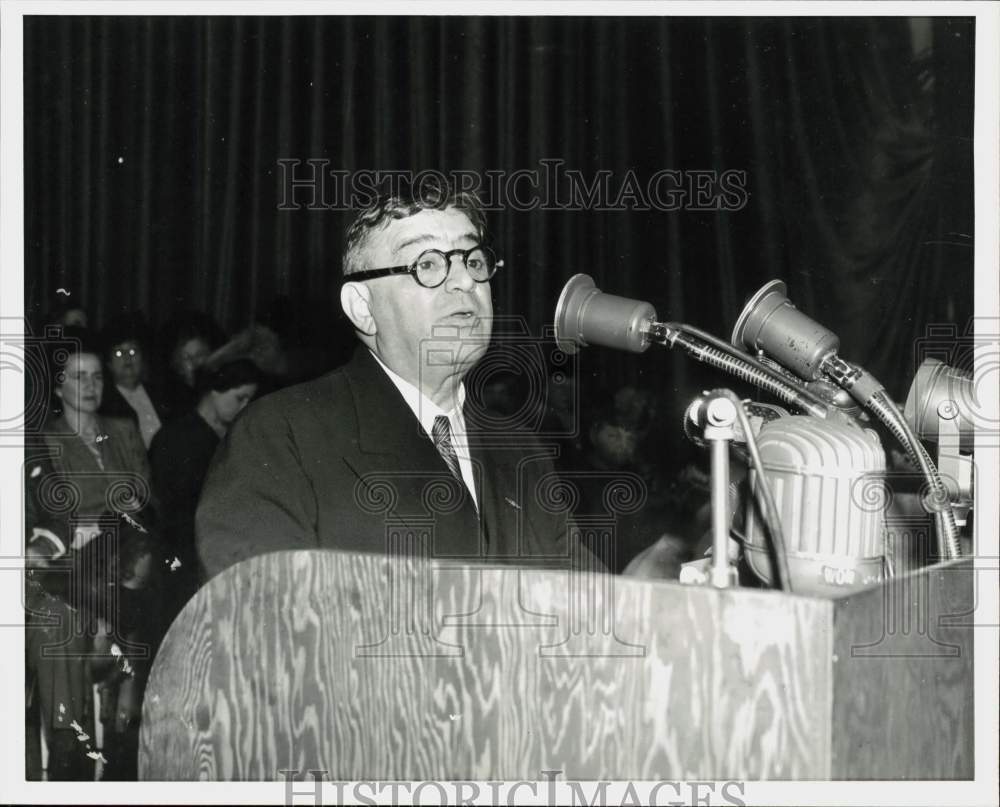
[{"x": 388, "y": 443}]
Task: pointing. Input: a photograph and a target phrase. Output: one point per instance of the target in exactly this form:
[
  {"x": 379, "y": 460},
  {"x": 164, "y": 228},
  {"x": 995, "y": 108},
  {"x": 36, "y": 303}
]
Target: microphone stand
[{"x": 718, "y": 414}]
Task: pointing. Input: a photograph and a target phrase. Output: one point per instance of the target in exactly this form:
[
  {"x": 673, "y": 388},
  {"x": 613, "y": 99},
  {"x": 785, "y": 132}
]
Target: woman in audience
[
  {"x": 189, "y": 340},
  {"x": 132, "y": 394},
  {"x": 181, "y": 453},
  {"x": 100, "y": 463}
]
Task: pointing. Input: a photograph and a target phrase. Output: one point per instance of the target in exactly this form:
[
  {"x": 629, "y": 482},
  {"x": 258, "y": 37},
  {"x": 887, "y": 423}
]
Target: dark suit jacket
[{"x": 342, "y": 462}]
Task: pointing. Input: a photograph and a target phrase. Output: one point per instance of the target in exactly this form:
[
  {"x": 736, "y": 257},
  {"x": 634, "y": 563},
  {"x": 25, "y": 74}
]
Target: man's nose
[{"x": 459, "y": 278}]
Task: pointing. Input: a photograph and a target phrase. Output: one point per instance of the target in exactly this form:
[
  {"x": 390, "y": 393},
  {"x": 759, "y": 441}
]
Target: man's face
[
  {"x": 456, "y": 316},
  {"x": 125, "y": 363}
]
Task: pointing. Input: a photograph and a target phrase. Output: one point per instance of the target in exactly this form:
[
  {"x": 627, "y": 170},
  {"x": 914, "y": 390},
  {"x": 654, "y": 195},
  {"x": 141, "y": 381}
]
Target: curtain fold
[{"x": 153, "y": 181}]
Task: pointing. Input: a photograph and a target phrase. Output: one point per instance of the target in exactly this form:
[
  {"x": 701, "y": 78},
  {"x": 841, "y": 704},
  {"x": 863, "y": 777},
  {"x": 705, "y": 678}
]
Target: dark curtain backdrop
[{"x": 153, "y": 183}]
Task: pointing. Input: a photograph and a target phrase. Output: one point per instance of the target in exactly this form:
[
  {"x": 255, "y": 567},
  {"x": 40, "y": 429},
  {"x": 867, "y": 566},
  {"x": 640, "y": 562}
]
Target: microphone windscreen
[
  {"x": 769, "y": 322},
  {"x": 586, "y": 316}
]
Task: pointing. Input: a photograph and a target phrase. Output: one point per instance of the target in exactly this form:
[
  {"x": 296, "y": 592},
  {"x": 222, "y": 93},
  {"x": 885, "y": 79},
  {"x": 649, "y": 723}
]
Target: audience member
[
  {"x": 56, "y": 682},
  {"x": 67, "y": 312},
  {"x": 310, "y": 342},
  {"x": 130, "y": 640},
  {"x": 93, "y": 616},
  {"x": 259, "y": 345},
  {"x": 180, "y": 456},
  {"x": 58, "y": 698},
  {"x": 63, "y": 608},
  {"x": 613, "y": 458},
  {"x": 189, "y": 340},
  {"x": 130, "y": 395},
  {"x": 100, "y": 461}
]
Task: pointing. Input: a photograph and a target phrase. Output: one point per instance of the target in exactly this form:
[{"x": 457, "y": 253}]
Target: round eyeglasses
[{"x": 432, "y": 266}]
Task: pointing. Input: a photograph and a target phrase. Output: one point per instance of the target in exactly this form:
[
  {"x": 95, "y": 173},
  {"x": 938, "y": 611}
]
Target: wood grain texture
[
  {"x": 903, "y": 678},
  {"x": 376, "y": 668}
]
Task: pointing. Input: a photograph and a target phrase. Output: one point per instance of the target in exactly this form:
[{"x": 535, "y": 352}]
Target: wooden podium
[{"x": 368, "y": 668}]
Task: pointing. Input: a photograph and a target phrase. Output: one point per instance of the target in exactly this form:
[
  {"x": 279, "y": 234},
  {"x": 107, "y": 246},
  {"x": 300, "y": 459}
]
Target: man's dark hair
[{"x": 403, "y": 202}]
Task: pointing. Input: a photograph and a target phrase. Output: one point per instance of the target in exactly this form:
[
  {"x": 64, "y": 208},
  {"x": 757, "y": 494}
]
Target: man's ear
[{"x": 356, "y": 300}]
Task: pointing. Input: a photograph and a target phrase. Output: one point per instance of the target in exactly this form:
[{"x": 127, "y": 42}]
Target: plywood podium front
[{"x": 377, "y": 668}]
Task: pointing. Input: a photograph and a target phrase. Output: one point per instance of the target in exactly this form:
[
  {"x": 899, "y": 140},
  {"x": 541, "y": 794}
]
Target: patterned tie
[{"x": 441, "y": 434}]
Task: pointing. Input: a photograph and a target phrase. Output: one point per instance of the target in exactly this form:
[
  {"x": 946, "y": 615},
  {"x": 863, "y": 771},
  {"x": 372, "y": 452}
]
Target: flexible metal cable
[{"x": 763, "y": 489}]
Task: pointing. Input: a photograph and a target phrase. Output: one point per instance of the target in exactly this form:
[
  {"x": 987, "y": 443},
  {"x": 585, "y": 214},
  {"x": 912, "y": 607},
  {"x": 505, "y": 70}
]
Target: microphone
[
  {"x": 942, "y": 407},
  {"x": 940, "y": 393},
  {"x": 828, "y": 483},
  {"x": 586, "y": 316},
  {"x": 770, "y": 322}
]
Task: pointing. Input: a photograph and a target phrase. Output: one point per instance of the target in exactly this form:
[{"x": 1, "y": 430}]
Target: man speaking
[{"x": 385, "y": 449}]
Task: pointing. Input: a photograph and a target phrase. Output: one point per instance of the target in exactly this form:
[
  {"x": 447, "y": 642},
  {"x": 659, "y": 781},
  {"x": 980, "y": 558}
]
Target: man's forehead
[{"x": 427, "y": 225}]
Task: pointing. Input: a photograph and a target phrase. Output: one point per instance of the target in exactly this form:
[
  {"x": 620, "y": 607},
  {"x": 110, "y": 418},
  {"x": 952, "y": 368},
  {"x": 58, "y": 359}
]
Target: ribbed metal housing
[{"x": 828, "y": 484}]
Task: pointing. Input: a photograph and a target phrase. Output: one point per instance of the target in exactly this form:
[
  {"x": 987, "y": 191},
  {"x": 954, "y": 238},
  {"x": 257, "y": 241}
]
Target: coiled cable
[{"x": 750, "y": 370}]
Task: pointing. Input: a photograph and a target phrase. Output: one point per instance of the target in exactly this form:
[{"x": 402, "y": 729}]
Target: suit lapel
[
  {"x": 386, "y": 425},
  {"x": 397, "y": 450}
]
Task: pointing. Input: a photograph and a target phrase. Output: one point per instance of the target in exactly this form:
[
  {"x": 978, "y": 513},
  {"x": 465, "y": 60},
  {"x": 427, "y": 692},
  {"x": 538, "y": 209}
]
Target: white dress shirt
[{"x": 426, "y": 410}]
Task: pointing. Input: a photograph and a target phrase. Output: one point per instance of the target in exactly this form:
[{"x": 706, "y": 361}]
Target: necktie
[{"x": 441, "y": 433}]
